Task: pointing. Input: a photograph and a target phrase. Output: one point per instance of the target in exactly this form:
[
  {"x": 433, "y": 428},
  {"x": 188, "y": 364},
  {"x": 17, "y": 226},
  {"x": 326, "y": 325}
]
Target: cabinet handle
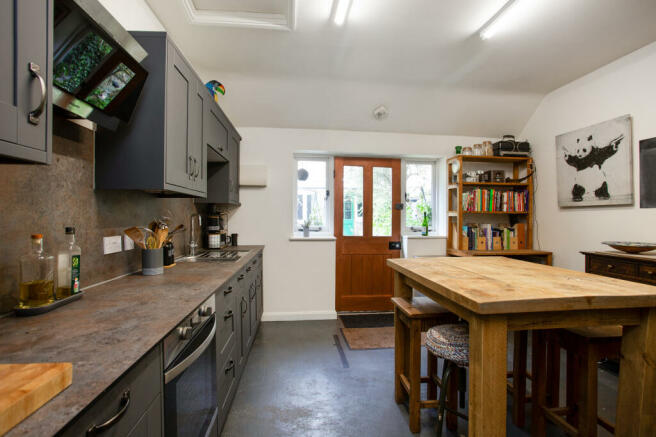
[
  {"x": 34, "y": 115},
  {"x": 244, "y": 309},
  {"x": 610, "y": 267},
  {"x": 240, "y": 277},
  {"x": 248, "y": 269},
  {"x": 650, "y": 272},
  {"x": 228, "y": 315},
  {"x": 228, "y": 291},
  {"x": 230, "y": 366},
  {"x": 197, "y": 167},
  {"x": 190, "y": 171},
  {"x": 125, "y": 403}
]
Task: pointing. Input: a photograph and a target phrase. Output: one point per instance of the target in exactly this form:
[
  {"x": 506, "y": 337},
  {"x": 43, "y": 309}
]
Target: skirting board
[{"x": 298, "y": 315}]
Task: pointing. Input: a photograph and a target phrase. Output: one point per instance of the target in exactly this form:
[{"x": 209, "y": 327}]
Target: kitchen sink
[{"x": 219, "y": 255}]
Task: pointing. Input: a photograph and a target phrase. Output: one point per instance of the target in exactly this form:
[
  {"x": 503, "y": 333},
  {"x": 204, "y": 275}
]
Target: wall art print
[{"x": 594, "y": 165}]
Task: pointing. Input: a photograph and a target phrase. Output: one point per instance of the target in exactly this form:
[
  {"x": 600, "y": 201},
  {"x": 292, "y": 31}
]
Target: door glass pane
[
  {"x": 352, "y": 219},
  {"x": 419, "y": 194},
  {"x": 382, "y": 198}
]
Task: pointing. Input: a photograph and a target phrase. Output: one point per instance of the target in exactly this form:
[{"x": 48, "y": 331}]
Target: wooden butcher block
[{"x": 24, "y": 388}]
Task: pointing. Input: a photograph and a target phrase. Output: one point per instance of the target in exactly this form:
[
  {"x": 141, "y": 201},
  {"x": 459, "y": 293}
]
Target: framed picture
[
  {"x": 647, "y": 173},
  {"x": 594, "y": 165}
]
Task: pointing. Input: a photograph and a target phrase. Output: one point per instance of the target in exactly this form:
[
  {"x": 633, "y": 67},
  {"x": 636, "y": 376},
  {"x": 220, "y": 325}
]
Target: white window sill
[
  {"x": 300, "y": 237},
  {"x": 423, "y": 237}
]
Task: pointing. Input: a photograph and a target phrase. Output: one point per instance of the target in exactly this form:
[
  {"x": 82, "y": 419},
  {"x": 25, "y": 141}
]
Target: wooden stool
[
  {"x": 451, "y": 343},
  {"x": 411, "y": 318},
  {"x": 585, "y": 347}
]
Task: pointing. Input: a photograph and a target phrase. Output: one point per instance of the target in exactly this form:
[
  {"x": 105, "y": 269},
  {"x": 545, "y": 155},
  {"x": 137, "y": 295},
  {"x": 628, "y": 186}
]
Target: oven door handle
[{"x": 171, "y": 374}]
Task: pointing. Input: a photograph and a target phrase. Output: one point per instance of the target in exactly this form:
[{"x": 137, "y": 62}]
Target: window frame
[
  {"x": 327, "y": 230},
  {"x": 434, "y": 226}
]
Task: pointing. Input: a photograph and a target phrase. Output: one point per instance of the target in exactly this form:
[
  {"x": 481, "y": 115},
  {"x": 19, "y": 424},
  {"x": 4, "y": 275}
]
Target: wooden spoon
[{"x": 137, "y": 236}]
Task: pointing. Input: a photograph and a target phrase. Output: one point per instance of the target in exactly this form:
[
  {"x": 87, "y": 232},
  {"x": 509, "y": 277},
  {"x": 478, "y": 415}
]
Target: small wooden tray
[{"x": 45, "y": 308}]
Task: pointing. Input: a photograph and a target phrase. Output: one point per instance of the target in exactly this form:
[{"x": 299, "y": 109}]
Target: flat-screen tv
[{"x": 91, "y": 70}]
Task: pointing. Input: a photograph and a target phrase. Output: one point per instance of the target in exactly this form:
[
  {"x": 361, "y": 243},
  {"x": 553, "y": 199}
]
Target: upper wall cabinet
[
  {"x": 223, "y": 177},
  {"x": 25, "y": 80},
  {"x": 163, "y": 149}
]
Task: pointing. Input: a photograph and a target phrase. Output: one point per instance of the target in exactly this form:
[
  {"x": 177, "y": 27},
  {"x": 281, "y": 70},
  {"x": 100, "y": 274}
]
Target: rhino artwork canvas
[{"x": 594, "y": 165}]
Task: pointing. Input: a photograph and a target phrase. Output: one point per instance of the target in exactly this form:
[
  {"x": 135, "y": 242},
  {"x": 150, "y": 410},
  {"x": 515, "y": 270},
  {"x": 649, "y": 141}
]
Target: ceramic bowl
[{"x": 630, "y": 246}]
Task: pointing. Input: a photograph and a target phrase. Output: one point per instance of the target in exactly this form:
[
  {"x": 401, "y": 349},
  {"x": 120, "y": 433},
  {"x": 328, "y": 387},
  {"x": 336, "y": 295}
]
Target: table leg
[
  {"x": 415, "y": 375},
  {"x": 520, "y": 348},
  {"x": 538, "y": 383},
  {"x": 636, "y": 397},
  {"x": 399, "y": 356},
  {"x": 488, "y": 343},
  {"x": 401, "y": 289}
]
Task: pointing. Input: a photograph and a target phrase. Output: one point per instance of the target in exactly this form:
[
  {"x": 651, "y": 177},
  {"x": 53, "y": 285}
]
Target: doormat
[
  {"x": 373, "y": 320},
  {"x": 372, "y": 338}
]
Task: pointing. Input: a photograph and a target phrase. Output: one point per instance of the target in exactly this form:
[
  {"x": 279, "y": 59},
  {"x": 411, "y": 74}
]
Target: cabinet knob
[{"x": 184, "y": 332}]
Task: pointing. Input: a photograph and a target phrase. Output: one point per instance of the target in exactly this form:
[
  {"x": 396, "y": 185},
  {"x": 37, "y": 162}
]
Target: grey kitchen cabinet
[
  {"x": 162, "y": 149},
  {"x": 216, "y": 130},
  {"x": 223, "y": 177},
  {"x": 134, "y": 401},
  {"x": 26, "y": 31}
]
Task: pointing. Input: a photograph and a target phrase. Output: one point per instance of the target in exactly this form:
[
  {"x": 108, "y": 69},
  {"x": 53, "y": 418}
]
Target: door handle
[
  {"x": 125, "y": 403},
  {"x": 190, "y": 170},
  {"x": 34, "y": 116}
]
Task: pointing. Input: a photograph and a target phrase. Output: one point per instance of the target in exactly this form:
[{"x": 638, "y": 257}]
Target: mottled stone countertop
[{"x": 106, "y": 332}]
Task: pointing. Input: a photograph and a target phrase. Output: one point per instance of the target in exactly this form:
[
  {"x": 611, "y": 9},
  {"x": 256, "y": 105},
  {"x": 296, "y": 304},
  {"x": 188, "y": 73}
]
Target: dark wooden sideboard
[{"x": 637, "y": 268}]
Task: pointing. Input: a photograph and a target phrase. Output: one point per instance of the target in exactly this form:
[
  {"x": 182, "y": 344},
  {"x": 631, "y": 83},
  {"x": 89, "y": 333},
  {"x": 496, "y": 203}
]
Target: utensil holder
[{"x": 152, "y": 262}]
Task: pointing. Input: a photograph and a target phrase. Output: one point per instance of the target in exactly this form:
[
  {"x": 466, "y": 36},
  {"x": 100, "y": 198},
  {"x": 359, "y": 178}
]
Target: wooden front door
[{"x": 367, "y": 220}]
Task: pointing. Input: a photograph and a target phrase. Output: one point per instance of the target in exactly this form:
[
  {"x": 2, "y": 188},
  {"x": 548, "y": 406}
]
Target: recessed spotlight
[
  {"x": 342, "y": 9},
  {"x": 498, "y": 20},
  {"x": 380, "y": 112}
]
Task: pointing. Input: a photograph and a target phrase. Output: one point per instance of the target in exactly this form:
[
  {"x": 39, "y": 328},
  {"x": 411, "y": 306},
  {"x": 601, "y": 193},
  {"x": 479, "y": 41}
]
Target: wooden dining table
[{"x": 496, "y": 295}]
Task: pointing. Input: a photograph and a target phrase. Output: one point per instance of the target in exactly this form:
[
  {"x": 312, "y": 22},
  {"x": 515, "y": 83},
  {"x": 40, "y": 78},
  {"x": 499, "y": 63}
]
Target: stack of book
[
  {"x": 491, "y": 200},
  {"x": 494, "y": 237}
]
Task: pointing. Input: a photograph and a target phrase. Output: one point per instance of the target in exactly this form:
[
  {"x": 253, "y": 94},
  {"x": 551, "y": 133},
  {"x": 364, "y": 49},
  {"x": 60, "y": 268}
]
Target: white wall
[
  {"x": 133, "y": 14},
  {"x": 626, "y": 86},
  {"x": 299, "y": 276}
]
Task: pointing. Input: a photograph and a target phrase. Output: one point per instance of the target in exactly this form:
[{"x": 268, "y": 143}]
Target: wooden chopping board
[{"x": 24, "y": 388}]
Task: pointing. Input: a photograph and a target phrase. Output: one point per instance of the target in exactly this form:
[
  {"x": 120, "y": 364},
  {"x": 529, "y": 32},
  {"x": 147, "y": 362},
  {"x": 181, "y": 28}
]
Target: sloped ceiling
[{"x": 423, "y": 59}]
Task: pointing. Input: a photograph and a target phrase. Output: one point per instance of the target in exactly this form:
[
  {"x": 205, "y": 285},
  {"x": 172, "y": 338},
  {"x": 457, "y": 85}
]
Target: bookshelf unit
[{"x": 457, "y": 217}]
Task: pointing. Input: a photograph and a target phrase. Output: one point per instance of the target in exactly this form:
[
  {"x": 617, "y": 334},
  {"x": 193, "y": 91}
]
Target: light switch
[{"x": 112, "y": 244}]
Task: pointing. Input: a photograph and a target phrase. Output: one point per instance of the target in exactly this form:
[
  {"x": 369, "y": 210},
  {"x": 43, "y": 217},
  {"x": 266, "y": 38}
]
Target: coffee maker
[{"x": 217, "y": 230}]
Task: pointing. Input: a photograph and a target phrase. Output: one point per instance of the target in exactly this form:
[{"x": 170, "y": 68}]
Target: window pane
[
  {"x": 353, "y": 197},
  {"x": 382, "y": 197},
  {"x": 311, "y": 195},
  {"x": 419, "y": 193}
]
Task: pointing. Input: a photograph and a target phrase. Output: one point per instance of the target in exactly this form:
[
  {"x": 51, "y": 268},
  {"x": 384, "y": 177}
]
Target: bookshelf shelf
[{"x": 457, "y": 217}]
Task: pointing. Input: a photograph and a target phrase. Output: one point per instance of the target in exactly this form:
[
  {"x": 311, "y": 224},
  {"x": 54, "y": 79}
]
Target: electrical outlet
[
  {"x": 128, "y": 244},
  {"x": 112, "y": 244}
]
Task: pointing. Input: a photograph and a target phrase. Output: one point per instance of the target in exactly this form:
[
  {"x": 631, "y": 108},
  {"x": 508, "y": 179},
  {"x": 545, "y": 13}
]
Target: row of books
[
  {"x": 494, "y": 237},
  {"x": 491, "y": 200}
]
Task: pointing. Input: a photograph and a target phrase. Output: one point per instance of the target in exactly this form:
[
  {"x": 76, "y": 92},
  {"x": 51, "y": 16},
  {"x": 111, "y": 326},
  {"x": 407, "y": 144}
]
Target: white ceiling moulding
[{"x": 252, "y": 20}]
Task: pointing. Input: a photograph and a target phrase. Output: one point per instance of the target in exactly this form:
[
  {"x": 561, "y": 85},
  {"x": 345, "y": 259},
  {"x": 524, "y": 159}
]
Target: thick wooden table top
[{"x": 499, "y": 285}]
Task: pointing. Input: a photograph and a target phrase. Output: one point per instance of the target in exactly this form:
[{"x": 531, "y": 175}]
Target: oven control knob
[
  {"x": 205, "y": 311},
  {"x": 184, "y": 332}
]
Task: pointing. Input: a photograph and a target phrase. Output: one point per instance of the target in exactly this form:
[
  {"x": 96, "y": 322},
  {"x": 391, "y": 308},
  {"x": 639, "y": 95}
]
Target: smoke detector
[{"x": 380, "y": 112}]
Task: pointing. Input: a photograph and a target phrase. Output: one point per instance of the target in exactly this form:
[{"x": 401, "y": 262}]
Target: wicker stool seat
[{"x": 450, "y": 342}]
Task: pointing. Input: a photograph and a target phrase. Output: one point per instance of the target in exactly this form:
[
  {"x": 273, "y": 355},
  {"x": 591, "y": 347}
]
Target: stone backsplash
[{"x": 46, "y": 198}]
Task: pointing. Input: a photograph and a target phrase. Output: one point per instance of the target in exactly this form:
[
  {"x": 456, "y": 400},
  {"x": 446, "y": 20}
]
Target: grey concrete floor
[{"x": 296, "y": 383}]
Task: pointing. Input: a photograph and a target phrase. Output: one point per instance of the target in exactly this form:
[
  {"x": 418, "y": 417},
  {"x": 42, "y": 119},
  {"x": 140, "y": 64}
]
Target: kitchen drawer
[
  {"x": 225, "y": 295},
  {"x": 227, "y": 380},
  {"x": 226, "y": 325},
  {"x": 612, "y": 267},
  {"x": 648, "y": 273},
  {"x": 143, "y": 383}
]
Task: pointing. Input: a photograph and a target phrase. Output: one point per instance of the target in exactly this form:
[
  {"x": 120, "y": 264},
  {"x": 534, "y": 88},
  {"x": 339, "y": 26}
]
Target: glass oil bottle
[
  {"x": 68, "y": 266},
  {"x": 37, "y": 276}
]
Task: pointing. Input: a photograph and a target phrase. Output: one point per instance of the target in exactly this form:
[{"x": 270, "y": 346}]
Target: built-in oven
[{"x": 190, "y": 385}]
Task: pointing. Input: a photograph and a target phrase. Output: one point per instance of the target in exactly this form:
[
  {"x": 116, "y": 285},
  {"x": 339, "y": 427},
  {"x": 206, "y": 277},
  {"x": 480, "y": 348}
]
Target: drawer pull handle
[
  {"x": 230, "y": 366},
  {"x": 240, "y": 277},
  {"x": 254, "y": 262},
  {"x": 244, "y": 309},
  {"x": 248, "y": 269},
  {"x": 34, "y": 115},
  {"x": 228, "y": 291},
  {"x": 125, "y": 403},
  {"x": 610, "y": 267},
  {"x": 228, "y": 315},
  {"x": 650, "y": 272}
]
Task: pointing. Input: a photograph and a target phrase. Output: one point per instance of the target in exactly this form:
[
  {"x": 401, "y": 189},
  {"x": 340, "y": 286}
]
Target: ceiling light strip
[{"x": 493, "y": 24}]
